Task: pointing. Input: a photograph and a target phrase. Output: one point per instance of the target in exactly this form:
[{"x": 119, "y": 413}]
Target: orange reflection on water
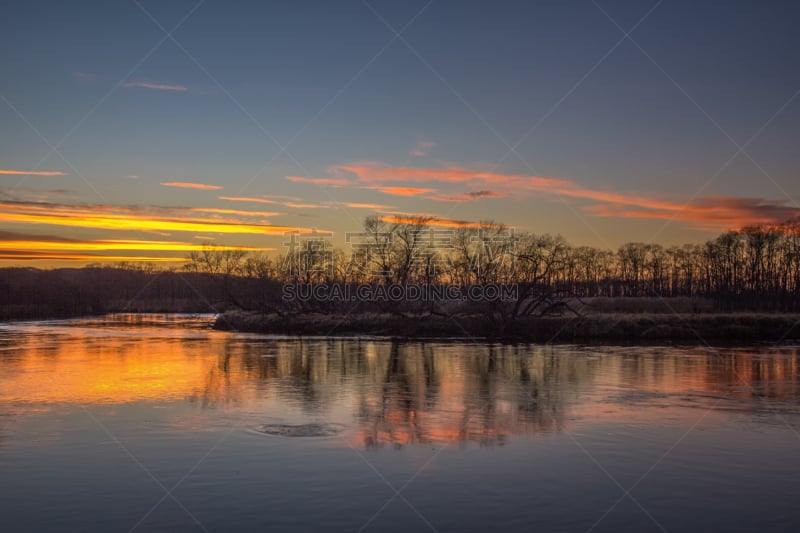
[
  {"x": 388, "y": 393},
  {"x": 102, "y": 370}
]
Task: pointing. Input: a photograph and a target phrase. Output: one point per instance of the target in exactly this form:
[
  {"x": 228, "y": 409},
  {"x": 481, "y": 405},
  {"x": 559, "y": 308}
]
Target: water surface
[{"x": 156, "y": 423}]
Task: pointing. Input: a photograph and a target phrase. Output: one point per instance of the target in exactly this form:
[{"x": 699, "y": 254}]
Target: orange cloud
[
  {"x": 9, "y": 172},
  {"x": 156, "y": 86},
  {"x": 130, "y": 219},
  {"x": 703, "y": 213},
  {"x": 357, "y": 205},
  {"x": 511, "y": 183},
  {"x": 402, "y": 191},
  {"x": 56, "y": 256},
  {"x": 40, "y": 245},
  {"x": 710, "y": 213},
  {"x": 190, "y": 185},
  {"x": 379, "y": 173}
]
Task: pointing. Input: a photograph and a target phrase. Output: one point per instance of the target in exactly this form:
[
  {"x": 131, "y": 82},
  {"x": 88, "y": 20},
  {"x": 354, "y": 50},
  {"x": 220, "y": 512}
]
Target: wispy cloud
[
  {"x": 335, "y": 182},
  {"x": 299, "y": 205},
  {"x": 221, "y": 211},
  {"x": 295, "y": 205},
  {"x": 83, "y": 76},
  {"x": 250, "y": 199},
  {"x": 469, "y": 196},
  {"x": 36, "y": 255},
  {"x": 373, "y": 172},
  {"x": 190, "y": 185},
  {"x": 360, "y": 205},
  {"x": 35, "y": 195},
  {"x": 709, "y": 213},
  {"x": 434, "y": 221},
  {"x": 281, "y": 197},
  {"x": 422, "y": 148},
  {"x": 10, "y": 172},
  {"x": 156, "y": 86}
]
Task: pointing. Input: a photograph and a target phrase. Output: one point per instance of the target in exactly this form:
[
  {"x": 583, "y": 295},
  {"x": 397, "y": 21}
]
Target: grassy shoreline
[{"x": 704, "y": 327}]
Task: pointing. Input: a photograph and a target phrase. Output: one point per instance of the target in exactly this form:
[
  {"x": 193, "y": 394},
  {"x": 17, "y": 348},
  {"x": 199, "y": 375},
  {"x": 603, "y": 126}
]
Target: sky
[{"x": 142, "y": 130}]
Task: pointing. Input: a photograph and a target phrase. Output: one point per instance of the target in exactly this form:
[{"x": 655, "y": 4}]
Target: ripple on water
[{"x": 301, "y": 430}]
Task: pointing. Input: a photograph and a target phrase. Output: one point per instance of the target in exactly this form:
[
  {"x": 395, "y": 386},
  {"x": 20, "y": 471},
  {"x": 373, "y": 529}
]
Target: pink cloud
[
  {"x": 422, "y": 148},
  {"x": 401, "y": 191},
  {"x": 703, "y": 213},
  {"x": 372, "y": 172},
  {"x": 711, "y": 213}
]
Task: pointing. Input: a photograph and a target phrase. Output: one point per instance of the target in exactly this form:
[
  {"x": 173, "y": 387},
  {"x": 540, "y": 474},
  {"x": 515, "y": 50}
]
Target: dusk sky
[{"x": 144, "y": 129}]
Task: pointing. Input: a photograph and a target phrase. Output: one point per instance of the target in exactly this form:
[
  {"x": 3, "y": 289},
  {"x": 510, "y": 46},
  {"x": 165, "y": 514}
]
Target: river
[{"x": 158, "y": 423}]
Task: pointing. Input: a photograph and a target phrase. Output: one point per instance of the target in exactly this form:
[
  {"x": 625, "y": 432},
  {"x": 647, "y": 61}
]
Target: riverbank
[
  {"x": 599, "y": 327},
  {"x": 12, "y": 313}
]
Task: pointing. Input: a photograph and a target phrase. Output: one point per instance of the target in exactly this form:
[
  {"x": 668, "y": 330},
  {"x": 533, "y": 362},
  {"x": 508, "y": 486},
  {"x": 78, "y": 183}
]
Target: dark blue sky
[{"x": 652, "y": 119}]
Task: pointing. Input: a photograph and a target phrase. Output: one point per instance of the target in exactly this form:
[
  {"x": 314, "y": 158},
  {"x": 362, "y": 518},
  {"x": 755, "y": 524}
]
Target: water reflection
[{"x": 389, "y": 393}]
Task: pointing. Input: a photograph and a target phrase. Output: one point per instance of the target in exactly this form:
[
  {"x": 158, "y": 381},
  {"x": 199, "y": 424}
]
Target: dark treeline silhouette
[
  {"x": 752, "y": 269},
  {"x": 92, "y": 290}
]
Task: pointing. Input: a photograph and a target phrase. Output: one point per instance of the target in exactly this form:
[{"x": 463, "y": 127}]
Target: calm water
[{"x": 157, "y": 424}]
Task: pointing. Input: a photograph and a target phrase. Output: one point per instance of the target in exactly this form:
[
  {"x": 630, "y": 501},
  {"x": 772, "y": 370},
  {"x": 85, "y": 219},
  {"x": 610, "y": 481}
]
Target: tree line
[
  {"x": 754, "y": 268},
  {"x": 28, "y": 293}
]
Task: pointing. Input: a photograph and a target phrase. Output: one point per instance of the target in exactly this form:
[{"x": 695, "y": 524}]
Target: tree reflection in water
[
  {"x": 387, "y": 393},
  {"x": 421, "y": 393},
  {"x": 404, "y": 393}
]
